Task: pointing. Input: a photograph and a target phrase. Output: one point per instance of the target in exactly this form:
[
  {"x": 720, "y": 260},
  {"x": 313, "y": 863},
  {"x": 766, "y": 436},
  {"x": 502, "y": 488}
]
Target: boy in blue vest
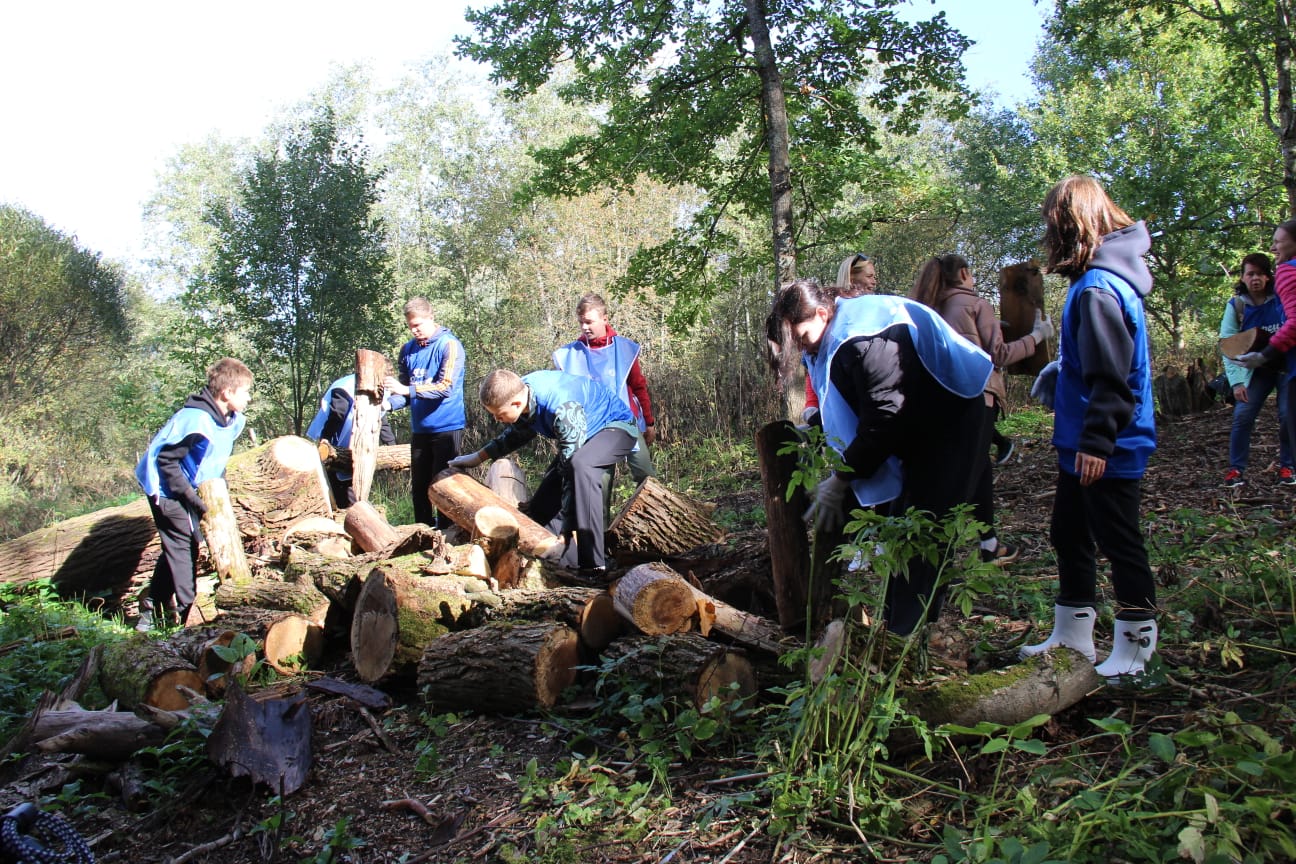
[
  {"x": 194, "y": 446},
  {"x": 430, "y": 381},
  {"x": 333, "y": 423},
  {"x": 593, "y": 429}
]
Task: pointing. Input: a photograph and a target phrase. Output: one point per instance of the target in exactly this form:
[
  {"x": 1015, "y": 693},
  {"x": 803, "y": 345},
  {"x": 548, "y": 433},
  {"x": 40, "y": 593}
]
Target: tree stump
[
  {"x": 655, "y": 600},
  {"x": 659, "y": 521},
  {"x": 367, "y": 527},
  {"x": 264, "y": 737},
  {"x": 459, "y": 497},
  {"x": 503, "y": 667},
  {"x": 141, "y": 671},
  {"x": 506, "y": 479},
  {"x": 397, "y": 615},
  {"x": 288, "y": 641},
  {"x": 220, "y": 530},
  {"x": 684, "y": 665},
  {"x": 789, "y": 545}
]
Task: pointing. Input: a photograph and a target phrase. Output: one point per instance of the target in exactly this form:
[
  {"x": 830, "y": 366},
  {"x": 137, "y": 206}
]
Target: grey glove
[
  {"x": 1045, "y": 385},
  {"x": 1251, "y": 360},
  {"x": 468, "y": 460},
  {"x": 826, "y": 511},
  {"x": 1043, "y": 330}
]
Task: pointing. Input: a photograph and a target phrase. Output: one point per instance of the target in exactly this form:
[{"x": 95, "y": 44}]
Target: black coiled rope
[{"x": 28, "y": 835}]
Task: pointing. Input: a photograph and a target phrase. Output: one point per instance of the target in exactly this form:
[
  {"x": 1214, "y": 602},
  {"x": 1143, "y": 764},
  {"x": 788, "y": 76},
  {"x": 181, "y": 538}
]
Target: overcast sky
[{"x": 98, "y": 95}]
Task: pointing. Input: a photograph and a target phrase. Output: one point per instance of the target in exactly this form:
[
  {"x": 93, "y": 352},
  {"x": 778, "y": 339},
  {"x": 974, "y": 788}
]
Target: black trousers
[
  {"x": 1104, "y": 515},
  {"x": 174, "y": 575},
  {"x": 983, "y": 496},
  {"x": 430, "y": 453},
  {"x": 570, "y": 497},
  {"x": 941, "y": 470}
]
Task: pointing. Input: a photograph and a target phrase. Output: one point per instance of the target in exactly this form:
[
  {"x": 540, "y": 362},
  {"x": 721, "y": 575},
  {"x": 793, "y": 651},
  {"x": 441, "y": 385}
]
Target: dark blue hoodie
[{"x": 1103, "y": 404}]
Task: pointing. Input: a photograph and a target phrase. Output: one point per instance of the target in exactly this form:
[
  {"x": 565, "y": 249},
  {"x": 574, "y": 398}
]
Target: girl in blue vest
[
  {"x": 194, "y": 446},
  {"x": 1103, "y": 426},
  {"x": 900, "y": 400},
  {"x": 1254, "y": 304}
]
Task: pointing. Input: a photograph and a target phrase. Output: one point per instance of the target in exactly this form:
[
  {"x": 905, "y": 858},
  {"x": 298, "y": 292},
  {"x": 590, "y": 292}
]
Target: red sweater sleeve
[
  {"x": 812, "y": 398},
  {"x": 1285, "y": 286},
  {"x": 638, "y": 385}
]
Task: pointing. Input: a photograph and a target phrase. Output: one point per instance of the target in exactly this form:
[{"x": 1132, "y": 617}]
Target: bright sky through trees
[{"x": 97, "y": 96}]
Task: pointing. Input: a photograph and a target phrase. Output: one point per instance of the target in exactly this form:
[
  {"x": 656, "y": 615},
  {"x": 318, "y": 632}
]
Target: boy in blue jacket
[
  {"x": 430, "y": 382},
  {"x": 593, "y": 429},
  {"x": 194, "y": 446}
]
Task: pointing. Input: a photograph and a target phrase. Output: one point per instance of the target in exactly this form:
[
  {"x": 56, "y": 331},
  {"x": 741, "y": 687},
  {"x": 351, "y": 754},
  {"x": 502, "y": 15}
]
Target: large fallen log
[
  {"x": 503, "y": 667},
  {"x": 142, "y": 671},
  {"x": 298, "y": 596},
  {"x": 655, "y": 600},
  {"x": 397, "y": 615},
  {"x": 658, "y": 521},
  {"x": 459, "y": 497},
  {"x": 108, "y": 552},
  {"x": 588, "y": 611},
  {"x": 685, "y": 665}
]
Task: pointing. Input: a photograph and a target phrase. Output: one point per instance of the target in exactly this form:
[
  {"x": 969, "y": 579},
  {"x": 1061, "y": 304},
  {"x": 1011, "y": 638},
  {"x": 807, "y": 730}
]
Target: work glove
[
  {"x": 326, "y": 450},
  {"x": 1043, "y": 330},
  {"x": 1045, "y": 384},
  {"x": 1252, "y": 359},
  {"x": 826, "y": 511},
  {"x": 468, "y": 460}
]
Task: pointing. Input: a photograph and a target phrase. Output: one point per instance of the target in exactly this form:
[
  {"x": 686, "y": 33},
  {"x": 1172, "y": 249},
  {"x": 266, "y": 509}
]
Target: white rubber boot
[
  {"x": 1133, "y": 643},
  {"x": 1072, "y": 628}
]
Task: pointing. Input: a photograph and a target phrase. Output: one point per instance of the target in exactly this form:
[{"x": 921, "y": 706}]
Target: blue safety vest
[
  {"x": 204, "y": 462},
  {"x": 609, "y": 365},
  {"x": 342, "y": 439}
]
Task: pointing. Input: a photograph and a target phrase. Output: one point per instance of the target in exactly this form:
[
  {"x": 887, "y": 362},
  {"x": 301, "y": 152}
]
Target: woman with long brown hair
[{"x": 1103, "y": 426}]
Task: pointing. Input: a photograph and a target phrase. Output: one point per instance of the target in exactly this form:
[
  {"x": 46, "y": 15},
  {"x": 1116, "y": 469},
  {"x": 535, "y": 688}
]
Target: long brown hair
[
  {"x": 793, "y": 303},
  {"x": 1078, "y": 213},
  {"x": 937, "y": 274}
]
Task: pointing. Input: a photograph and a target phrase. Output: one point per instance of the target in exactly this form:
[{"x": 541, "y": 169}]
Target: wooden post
[
  {"x": 221, "y": 532},
  {"x": 371, "y": 367},
  {"x": 789, "y": 545},
  {"x": 459, "y": 496}
]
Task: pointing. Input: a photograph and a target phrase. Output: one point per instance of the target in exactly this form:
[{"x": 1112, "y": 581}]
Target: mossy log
[
  {"x": 502, "y": 667},
  {"x": 288, "y": 641},
  {"x": 588, "y": 611},
  {"x": 367, "y": 527},
  {"x": 397, "y": 614},
  {"x": 686, "y": 665},
  {"x": 655, "y": 600},
  {"x": 659, "y": 521},
  {"x": 109, "y": 552},
  {"x": 141, "y": 671},
  {"x": 199, "y": 645},
  {"x": 220, "y": 531},
  {"x": 299, "y": 596}
]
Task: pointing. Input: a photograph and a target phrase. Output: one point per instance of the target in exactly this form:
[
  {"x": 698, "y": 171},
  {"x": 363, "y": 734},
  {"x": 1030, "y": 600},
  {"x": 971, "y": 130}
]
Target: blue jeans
[{"x": 1263, "y": 381}]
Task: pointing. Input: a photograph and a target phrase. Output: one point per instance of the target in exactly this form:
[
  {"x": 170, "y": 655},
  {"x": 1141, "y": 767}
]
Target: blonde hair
[
  {"x": 1078, "y": 213},
  {"x": 228, "y": 373},
  {"x": 845, "y": 287},
  {"x": 499, "y": 388},
  {"x": 419, "y": 306}
]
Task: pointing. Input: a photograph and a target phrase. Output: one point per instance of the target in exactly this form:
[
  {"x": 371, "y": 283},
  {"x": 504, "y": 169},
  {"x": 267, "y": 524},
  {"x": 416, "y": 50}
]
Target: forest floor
[{"x": 488, "y": 782}]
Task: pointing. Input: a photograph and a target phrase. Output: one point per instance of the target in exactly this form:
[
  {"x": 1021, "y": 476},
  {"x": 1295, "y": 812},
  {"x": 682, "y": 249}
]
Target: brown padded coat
[{"x": 973, "y": 318}]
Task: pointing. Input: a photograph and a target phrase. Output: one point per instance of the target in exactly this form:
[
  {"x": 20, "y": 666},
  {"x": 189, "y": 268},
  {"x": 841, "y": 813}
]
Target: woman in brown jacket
[{"x": 945, "y": 283}]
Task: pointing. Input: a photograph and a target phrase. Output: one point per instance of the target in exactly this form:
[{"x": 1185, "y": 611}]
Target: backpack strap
[{"x": 1237, "y": 310}]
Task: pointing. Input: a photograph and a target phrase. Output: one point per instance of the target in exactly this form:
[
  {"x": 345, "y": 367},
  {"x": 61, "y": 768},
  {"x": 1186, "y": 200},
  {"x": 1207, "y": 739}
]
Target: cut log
[
  {"x": 459, "y": 497},
  {"x": 368, "y": 528},
  {"x": 289, "y": 642},
  {"x": 397, "y": 615},
  {"x": 300, "y": 596},
  {"x": 266, "y": 739},
  {"x": 588, "y": 611},
  {"x": 465, "y": 560},
  {"x": 1021, "y": 297},
  {"x": 685, "y": 665},
  {"x": 495, "y": 530},
  {"x": 502, "y": 667},
  {"x": 739, "y": 627},
  {"x": 112, "y": 551},
  {"x": 390, "y": 457},
  {"x": 308, "y": 532},
  {"x": 224, "y": 544},
  {"x": 366, "y": 424},
  {"x": 141, "y": 671},
  {"x": 198, "y": 646},
  {"x": 506, "y": 479},
  {"x": 789, "y": 545},
  {"x": 1253, "y": 339},
  {"x": 655, "y": 600},
  {"x": 658, "y": 521}
]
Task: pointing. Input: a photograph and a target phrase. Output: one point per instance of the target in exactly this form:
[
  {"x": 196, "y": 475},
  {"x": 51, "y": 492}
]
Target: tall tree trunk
[
  {"x": 1283, "y": 61},
  {"x": 776, "y": 141}
]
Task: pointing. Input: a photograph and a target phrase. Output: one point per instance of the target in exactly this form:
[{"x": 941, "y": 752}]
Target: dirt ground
[{"x": 471, "y": 774}]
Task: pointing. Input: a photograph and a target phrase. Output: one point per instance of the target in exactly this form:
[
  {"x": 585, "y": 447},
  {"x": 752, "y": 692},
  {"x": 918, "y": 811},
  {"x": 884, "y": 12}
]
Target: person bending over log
[
  {"x": 897, "y": 386},
  {"x": 193, "y": 446},
  {"x": 333, "y": 423},
  {"x": 593, "y": 429}
]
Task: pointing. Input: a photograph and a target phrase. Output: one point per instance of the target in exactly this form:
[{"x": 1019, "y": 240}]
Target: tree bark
[
  {"x": 459, "y": 496},
  {"x": 789, "y": 546},
  {"x": 657, "y": 521},
  {"x": 685, "y": 665},
  {"x": 221, "y": 533},
  {"x": 301, "y": 597},
  {"x": 142, "y": 671},
  {"x": 366, "y": 425},
  {"x": 655, "y": 600},
  {"x": 366, "y": 526},
  {"x": 503, "y": 667},
  {"x": 288, "y": 641},
  {"x": 267, "y": 739}
]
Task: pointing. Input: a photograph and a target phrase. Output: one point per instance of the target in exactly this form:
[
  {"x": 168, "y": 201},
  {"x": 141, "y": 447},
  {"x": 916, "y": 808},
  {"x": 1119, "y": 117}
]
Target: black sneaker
[{"x": 1004, "y": 451}]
